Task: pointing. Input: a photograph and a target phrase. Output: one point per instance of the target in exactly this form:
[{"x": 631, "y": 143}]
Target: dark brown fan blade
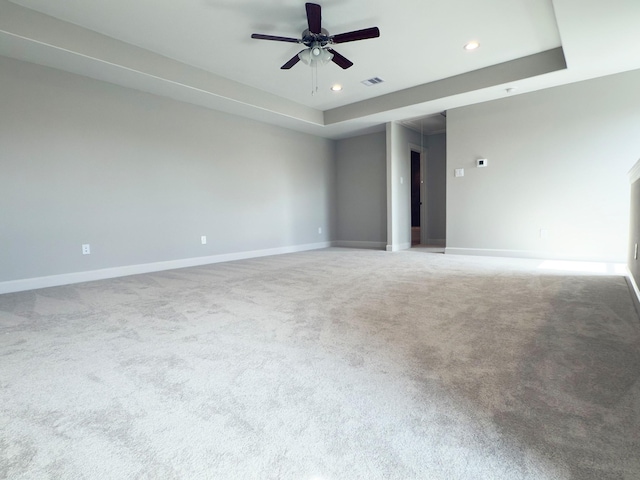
[
  {"x": 314, "y": 17},
  {"x": 291, "y": 62},
  {"x": 341, "y": 61},
  {"x": 260, "y": 36},
  {"x": 364, "y": 34}
]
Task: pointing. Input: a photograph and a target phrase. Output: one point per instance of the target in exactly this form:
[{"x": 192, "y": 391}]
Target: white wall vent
[{"x": 372, "y": 81}]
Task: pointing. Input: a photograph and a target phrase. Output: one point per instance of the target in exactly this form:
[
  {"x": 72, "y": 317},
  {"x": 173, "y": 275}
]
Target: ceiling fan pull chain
[{"x": 314, "y": 79}]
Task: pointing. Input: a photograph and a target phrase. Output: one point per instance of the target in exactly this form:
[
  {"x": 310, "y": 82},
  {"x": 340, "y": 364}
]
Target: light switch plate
[{"x": 459, "y": 172}]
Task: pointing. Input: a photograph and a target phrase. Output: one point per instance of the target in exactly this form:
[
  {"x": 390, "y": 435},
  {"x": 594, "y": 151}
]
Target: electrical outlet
[
  {"x": 319, "y": 230},
  {"x": 86, "y": 249},
  {"x": 203, "y": 239}
]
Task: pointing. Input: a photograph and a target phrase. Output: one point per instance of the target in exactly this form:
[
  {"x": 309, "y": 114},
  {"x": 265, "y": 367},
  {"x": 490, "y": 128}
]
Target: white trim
[
  {"x": 358, "y": 244},
  {"x": 635, "y": 292},
  {"x": 389, "y": 171},
  {"x": 634, "y": 173},
  {"x": 539, "y": 255},
  {"x": 398, "y": 247},
  {"x": 102, "y": 274}
]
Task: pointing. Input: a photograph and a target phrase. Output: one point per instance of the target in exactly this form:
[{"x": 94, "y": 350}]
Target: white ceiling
[{"x": 200, "y": 51}]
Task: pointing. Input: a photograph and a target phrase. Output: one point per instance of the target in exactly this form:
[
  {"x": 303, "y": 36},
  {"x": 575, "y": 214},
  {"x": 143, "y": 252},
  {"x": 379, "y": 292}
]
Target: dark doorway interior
[{"x": 415, "y": 197}]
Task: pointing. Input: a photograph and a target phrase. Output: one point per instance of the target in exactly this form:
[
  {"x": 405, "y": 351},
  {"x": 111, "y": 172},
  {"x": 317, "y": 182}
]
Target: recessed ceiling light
[
  {"x": 472, "y": 45},
  {"x": 336, "y": 88}
]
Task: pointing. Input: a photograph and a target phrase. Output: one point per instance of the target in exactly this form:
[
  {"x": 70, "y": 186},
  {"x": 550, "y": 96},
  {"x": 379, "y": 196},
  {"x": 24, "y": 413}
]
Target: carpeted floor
[{"x": 330, "y": 364}]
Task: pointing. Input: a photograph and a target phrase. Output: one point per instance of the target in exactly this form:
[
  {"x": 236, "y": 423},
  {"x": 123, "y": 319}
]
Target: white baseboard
[
  {"x": 358, "y": 244},
  {"x": 635, "y": 292},
  {"x": 538, "y": 255},
  {"x": 398, "y": 246},
  {"x": 105, "y": 273}
]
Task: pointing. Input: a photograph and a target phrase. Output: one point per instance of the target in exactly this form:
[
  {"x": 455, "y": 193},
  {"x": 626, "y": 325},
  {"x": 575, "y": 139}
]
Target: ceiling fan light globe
[
  {"x": 325, "y": 57},
  {"x": 305, "y": 56},
  {"x": 315, "y": 56}
]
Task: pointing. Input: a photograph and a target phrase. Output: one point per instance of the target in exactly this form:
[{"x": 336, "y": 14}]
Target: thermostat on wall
[{"x": 482, "y": 162}]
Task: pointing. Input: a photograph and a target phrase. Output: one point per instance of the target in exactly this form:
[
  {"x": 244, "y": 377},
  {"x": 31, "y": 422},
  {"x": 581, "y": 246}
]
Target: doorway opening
[
  {"x": 425, "y": 164},
  {"x": 416, "y": 199},
  {"x": 420, "y": 222}
]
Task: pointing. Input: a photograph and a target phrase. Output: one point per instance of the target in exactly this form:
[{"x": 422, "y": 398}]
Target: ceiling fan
[{"x": 318, "y": 41}]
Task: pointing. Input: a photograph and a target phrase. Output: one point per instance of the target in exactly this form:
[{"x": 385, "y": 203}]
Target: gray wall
[
  {"x": 634, "y": 232},
  {"x": 436, "y": 180},
  {"x": 361, "y": 190},
  {"x": 557, "y": 160},
  {"x": 141, "y": 178}
]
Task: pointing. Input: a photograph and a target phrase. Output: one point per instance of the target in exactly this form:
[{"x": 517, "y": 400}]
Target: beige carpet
[{"x": 331, "y": 364}]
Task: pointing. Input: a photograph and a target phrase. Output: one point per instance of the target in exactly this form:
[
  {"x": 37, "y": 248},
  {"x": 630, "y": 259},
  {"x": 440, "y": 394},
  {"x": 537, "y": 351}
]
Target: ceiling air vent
[{"x": 372, "y": 81}]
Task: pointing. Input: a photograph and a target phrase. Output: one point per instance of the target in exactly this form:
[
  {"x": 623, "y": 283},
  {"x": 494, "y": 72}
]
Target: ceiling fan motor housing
[{"x": 322, "y": 38}]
